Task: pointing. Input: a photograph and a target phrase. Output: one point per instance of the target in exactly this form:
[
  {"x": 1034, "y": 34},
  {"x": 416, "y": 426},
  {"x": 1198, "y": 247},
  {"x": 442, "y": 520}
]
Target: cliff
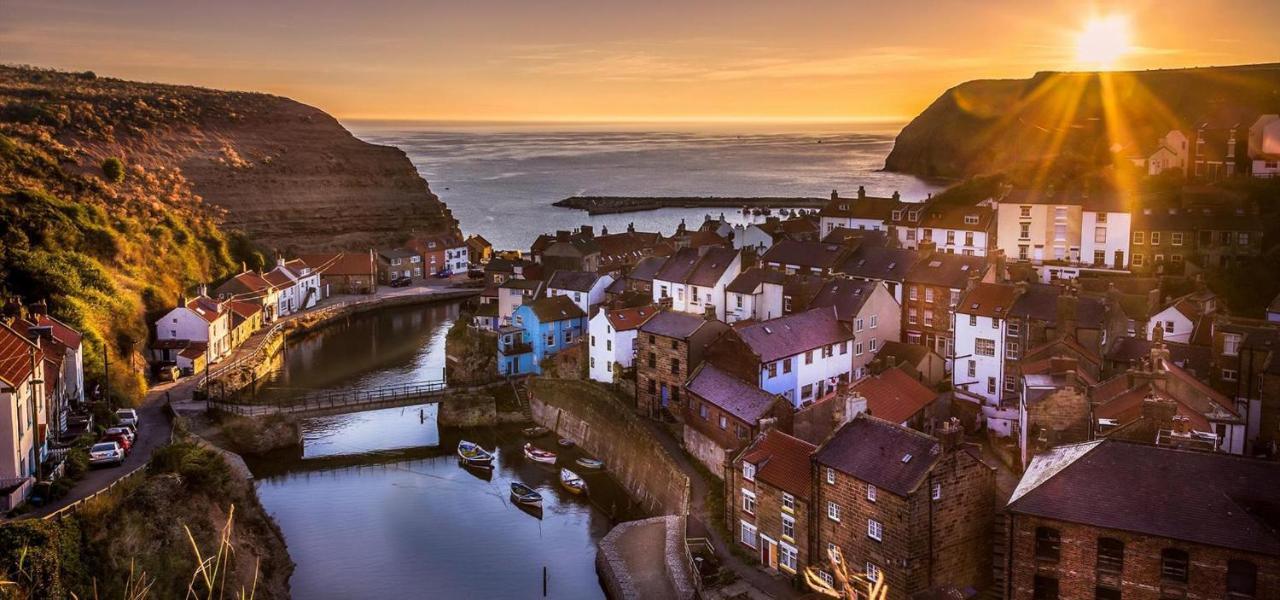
[
  {"x": 286, "y": 174},
  {"x": 1075, "y": 122}
]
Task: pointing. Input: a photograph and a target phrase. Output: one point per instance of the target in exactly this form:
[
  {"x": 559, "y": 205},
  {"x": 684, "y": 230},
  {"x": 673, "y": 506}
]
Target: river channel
[{"x": 377, "y": 505}]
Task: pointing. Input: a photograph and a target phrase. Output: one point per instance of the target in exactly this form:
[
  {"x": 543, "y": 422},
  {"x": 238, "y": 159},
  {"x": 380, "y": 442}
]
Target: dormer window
[
  {"x": 844, "y": 207},
  {"x": 971, "y": 219},
  {"x": 748, "y": 471},
  {"x": 897, "y": 215}
]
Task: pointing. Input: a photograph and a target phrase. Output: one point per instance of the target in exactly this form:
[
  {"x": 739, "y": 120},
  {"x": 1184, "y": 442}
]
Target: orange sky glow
[{"x": 711, "y": 60}]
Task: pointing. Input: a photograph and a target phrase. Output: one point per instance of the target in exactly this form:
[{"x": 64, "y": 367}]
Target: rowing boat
[
  {"x": 525, "y": 495},
  {"x": 590, "y": 463},
  {"x": 534, "y": 432},
  {"x": 538, "y": 455},
  {"x": 572, "y": 482},
  {"x": 471, "y": 454}
]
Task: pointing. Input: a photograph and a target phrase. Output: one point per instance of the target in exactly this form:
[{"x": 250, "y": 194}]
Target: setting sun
[{"x": 1103, "y": 41}]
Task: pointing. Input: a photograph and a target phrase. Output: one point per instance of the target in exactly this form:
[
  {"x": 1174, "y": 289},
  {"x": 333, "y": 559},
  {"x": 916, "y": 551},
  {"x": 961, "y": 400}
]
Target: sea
[{"x": 501, "y": 179}]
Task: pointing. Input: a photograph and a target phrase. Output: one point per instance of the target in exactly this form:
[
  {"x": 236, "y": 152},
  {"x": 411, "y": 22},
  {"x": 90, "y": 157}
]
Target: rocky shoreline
[{"x": 604, "y": 205}]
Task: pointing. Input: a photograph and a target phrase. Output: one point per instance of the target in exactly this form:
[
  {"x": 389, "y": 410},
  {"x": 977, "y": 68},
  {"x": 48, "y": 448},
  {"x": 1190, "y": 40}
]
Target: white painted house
[
  {"x": 586, "y": 289},
  {"x": 694, "y": 279},
  {"x": 1264, "y": 147},
  {"x": 1074, "y": 228},
  {"x": 755, "y": 294},
  {"x": 612, "y": 341},
  {"x": 802, "y": 357},
  {"x": 979, "y": 368},
  {"x": 457, "y": 255},
  {"x": 201, "y": 319}
]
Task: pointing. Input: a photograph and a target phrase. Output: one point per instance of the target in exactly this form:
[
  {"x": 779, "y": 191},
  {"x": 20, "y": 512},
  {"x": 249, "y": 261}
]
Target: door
[
  {"x": 1119, "y": 262},
  {"x": 768, "y": 552},
  {"x": 666, "y": 395}
]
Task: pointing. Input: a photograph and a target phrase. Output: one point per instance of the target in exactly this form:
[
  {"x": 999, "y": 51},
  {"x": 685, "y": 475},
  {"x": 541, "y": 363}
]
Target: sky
[{"x": 606, "y": 60}]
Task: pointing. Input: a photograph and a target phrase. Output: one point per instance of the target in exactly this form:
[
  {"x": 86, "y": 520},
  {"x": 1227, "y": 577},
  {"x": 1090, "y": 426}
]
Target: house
[
  {"x": 457, "y": 255},
  {"x": 964, "y": 230},
  {"x": 444, "y": 252},
  {"x": 250, "y": 286},
  {"x": 501, "y": 269},
  {"x": 1164, "y": 241},
  {"x": 620, "y": 252},
  {"x": 921, "y": 363},
  {"x": 399, "y": 263},
  {"x": 806, "y": 257},
  {"x": 1054, "y": 406},
  {"x": 200, "y": 319},
  {"x": 855, "y": 238},
  {"x": 539, "y": 329},
  {"x": 1056, "y": 320},
  {"x": 586, "y": 289},
  {"x": 65, "y": 347},
  {"x": 1065, "y": 230},
  {"x": 1243, "y": 365},
  {"x": 769, "y": 489},
  {"x": 755, "y": 294},
  {"x": 1220, "y": 150},
  {"x": 571, "y": 251},
  {"x": 878, "y": 263},
  {"x": 1188, "y": 319},
  {"x": 693, "y": 280},
  {"x": 479, "y": 250},
  {"x": 246, "y": 319},
  {"x": 904, "y": 507},
  {"x": 1169, "y": 153},
  {"x": 344, "y": 272},
  {"x": 1264, "y": 147},
  {"x": 761, "y": 236},
  {"x": 869, "y": 311},
  {"x": 1112, "y": 519},
  {"x": 486, "y": 315},
  {"x": 802, "y": 357},
  {"x": 22, "y": 395},
  {"x": 298, "y": 286},
  {"x": 188, "y": 355},
  {"x": 981, "y": 330},
  {"x": 514, "y": 292},
  {"x": 723, "y": 414},
  {"x": 613, "y": 335},
  {"x": 933, "y": 288},
  {"x": 897, "y": 397},
  {"x": 861, "y": 212},
  {"x": 669, "y": 346}
]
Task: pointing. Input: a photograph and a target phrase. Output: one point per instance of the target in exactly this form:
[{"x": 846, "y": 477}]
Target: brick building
[
  {"x": 769, "y": 490},
  {"x": 669, "y": 347},
  {"x": 903, "y": 505},
  {"x": 933, "y": 288},
  {"x": 1111, "y": 519},
  {"x": 723, "y": 413}
]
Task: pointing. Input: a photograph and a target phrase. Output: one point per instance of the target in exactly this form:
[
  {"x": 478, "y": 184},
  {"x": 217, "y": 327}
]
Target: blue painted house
[{"x": 538, "y": 329}]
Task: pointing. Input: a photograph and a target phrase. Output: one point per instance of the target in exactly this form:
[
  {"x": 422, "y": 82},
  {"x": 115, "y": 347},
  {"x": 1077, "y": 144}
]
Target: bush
[
  {"x": 200, "y": 468},
  {"x": 113, "y": 169}
]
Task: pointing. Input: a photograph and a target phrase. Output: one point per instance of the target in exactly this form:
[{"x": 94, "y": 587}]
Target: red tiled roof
[
  {"x": 626, "y": 319},
  {"x": 894, "y": 395},
  {"x": 244, "y": 309},
  {"x": 342, "y": 263},
  {"x": 782, "y": 461},
  {"x": 15, "y": 356},
  {"x": 61, "y": 331},
  {"x": 193, "y": 350},
  {"x": 248, "y": 282},
  {"x": 206, "y": 307},
  {"x": 988, "y": 300},
  {"x": 279, "y": 278}
]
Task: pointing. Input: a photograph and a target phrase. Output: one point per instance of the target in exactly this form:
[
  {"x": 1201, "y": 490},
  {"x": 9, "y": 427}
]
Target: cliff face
[
  {"x": 1075, "y": 121},
  {"x": 288, "y": 175}
]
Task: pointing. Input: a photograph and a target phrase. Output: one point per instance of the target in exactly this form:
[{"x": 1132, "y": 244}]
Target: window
[
  {"x": 833, "y": 511},
  {"x": 991, "y": 385},
  {"x": 973, "y": 368},
  {"x": 1176, "y": 238},
  {"x": 871, "y": 493},
  {"x": 748, "y": 535},
  {"x": 1110, "y": 555},
  {"x": 857, "y": 324},
  {"x": 788, "y": 501},
  {"x": 748, "y": 469},
  {"x": 984, "y": 347},
  {"x": 786, "y": 365},
  {"x": 808, "y": 357},
  {"x": 787, "y": 558},
  {"x": 1105, "y": 593},
  {"x": 871, "y": 345},
  {"x": 748, "y": 502},
  {"x": 936, "y": 494},
  {"x": 973, "y": 320},
  {"x": 951, "y": 237},
  {"x": 593, "y": 341},
  {"x": 1230, "y": 375},
  {"x": 1024, "y": 252},
  {"x": 1024, "y": 231},
  {"x": 911, "y": 316},
  {"x": 788, "y": 526},
  {"x": 1099, "y": 235},
  {"x": 551, "y": 340},
  {"x": 971, "y": 219},
  {"x": 828, "y": 351},
  {"x": 1011, "y": 351},
  {"x": 1048, "y": 544},
  {"x": 928, "y": 295},
  {"x": 928, "y": 317},
  {"x": 1137, "y": 260},
  {"x": 844, "y": 348},
  {"x": 873, "y": 572},
  {"x": 705, "y": 413},
  {"x": 1014, "y": 328},
  {"x": 806, "y": 391},
  {"x": 857, "y": 347},
  {"x": 608, "y": 345},
  {"x": 968, "y": 238},
  {"x": 1242, "y": 579},
  {"x": 831, "y": 475},
  {"x": 1009, "y": 384},
  {"x": 1173, "y": 565},
  {"x": 1024, "y": 212},
  {"x": 1177, "y": 258},
  {"x": 912, "y": 292},
  {"x": 724, "y": 422},
  {"x": 1231, "y": 344},
  {"x": 675, "y": 366},
  {"x": 1099, "y": 257},
  {"x": 1155, "y": 238},
  {"x": 1101, "y": 218},
  {"x": 875, "y": 530},
  {"x": 1139, "y": 237},
  {"x": 1043, "y": 588},
  {"x": 773, "y": 369},
  {"x": 738, "y": 298}
]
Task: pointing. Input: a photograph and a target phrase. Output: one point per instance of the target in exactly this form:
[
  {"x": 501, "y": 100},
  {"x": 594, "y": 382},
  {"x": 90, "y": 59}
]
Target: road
[{"x": 154, "y": 423}]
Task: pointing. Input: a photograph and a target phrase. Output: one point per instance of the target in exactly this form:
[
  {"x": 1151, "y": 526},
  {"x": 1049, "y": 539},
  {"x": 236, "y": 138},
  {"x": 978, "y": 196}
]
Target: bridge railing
[{"x": 336, "y": 398}]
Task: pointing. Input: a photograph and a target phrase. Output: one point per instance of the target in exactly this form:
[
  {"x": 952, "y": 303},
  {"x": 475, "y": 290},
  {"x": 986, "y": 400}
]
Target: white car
[
  {"x": 106, "y": 453},
  {"x": 127, "y": 416},
  {"x": 126, "y": 431}
]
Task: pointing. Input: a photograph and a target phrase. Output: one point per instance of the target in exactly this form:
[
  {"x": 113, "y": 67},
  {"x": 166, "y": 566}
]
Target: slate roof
[
  {"x": 815, "y": 255},
  {"x": 645, "y": 269},
  {"x": 556, "y": 308},
  {"x": 747, "y": 281},
  {"x": 1093, "y": 198},
  {"x": 794, "y": 334},
  {"x": 712, "y": 265},
  {"x": 1039, "y": 302},
  {"x": 911, "y": 354},
  {"x": 866, "y": 207},
  {"x": 246, "y": 283},
  {"x": 894, "y": 395},
  {"x": 953, "y": 217},
  {"x": 782, "y": 461},
  {"x": 626, "y": 319},
  {"x": 1196, "y": 359},
  {"x": 856, "y": 237},
  {"x": 988, "y": 300},
  {"x": 947, "y": 270},
  {"x": 577, "y": 281},
  {"x": 845, "y": 295},
  {"x": 885, "y": 264},
  {"x": 15, "y": 356},
  {"x": 876, "y": 451},
  {"x": 673, "y": 324},
  {"x": 397, "y": 253},
  {"x": 1201, "y": 497},
  {"x": 735, "y": 396}
]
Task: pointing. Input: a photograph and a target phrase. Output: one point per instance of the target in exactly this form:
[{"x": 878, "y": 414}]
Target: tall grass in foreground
[{"x": 208, "y": 581}]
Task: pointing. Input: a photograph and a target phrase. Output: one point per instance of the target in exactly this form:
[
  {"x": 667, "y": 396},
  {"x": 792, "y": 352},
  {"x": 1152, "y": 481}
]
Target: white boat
[
  {"x": 572, "y": 482},
  {"x": 538, "y": 455}
]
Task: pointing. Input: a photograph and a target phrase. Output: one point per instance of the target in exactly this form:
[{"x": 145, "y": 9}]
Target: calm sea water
[
  {"x": 501, "y": 179},
  {"x": 376, "y": 505}
]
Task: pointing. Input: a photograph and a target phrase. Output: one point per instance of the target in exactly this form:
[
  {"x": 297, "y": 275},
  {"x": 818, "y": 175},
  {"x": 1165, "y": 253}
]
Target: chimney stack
[
  {"x": 862, "y": 192},
  {"x": 631, "y": 227},
  {"x": 709, "y": 312},
  {"x": 998, "y": 262},
  {"x": 588, "y": 230},
  {"x": 950, "y": 434},
  {"x": 1068, "y": 304},
  {"x": 1160, "y": 411},
  {"x": 835, "y": 195},
  {"x": 562, "y": 235},
  {"x": 896, "y": 195},
  {"x": 927, "y": 248}
]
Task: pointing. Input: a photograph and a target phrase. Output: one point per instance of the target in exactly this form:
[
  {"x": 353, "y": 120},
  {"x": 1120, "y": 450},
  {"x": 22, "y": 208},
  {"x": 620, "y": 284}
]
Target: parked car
[
  {"x": 122, "y": 430},
  {"x": 127, "y": 416},
  {"x": 445, "y": 274},
  {"x": 106, "y": 453},
  {"x": 401, "y": 282},
  {"x": 168, "y": 373},
  {"x": 119, "y": 438}
]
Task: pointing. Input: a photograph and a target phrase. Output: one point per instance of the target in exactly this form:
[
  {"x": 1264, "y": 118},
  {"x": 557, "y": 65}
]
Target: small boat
[
  {"x": 534, "y": 432},
  {"x": 473, "y": 455},
  {"x": 539, "y": 455},
  {"x": 572, "y": 482},
  {"x": 525, "y": 495},
  {"x": 566, "y": 443},
  {"x": 590, "y": 463}
]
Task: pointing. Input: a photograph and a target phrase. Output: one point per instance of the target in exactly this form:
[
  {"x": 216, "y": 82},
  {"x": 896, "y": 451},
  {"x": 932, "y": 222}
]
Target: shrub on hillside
[
  {"x": 113, "y": 169},
  {"x": 200, "y": 468}
]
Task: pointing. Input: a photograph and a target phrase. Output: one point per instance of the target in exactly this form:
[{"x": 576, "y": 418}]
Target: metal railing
[{"x": 331, "y": 399}]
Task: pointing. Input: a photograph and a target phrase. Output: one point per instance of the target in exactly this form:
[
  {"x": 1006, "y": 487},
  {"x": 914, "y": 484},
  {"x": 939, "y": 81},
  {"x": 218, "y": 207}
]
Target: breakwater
[{"x": 603, "y": 205}]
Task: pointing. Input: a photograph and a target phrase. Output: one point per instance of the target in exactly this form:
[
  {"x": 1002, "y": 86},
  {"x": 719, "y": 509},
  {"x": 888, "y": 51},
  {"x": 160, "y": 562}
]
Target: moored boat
[
  {"x": 471, "y": 454},
  {"x": 539, "y": 455},
  {"x": 572, "y": 482},
  {"x": 590, "y": 463},
  {"x": 566, "y": 443},
  {"x": 525, "y": 495},
  {"x": 537, "y": 431}
]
